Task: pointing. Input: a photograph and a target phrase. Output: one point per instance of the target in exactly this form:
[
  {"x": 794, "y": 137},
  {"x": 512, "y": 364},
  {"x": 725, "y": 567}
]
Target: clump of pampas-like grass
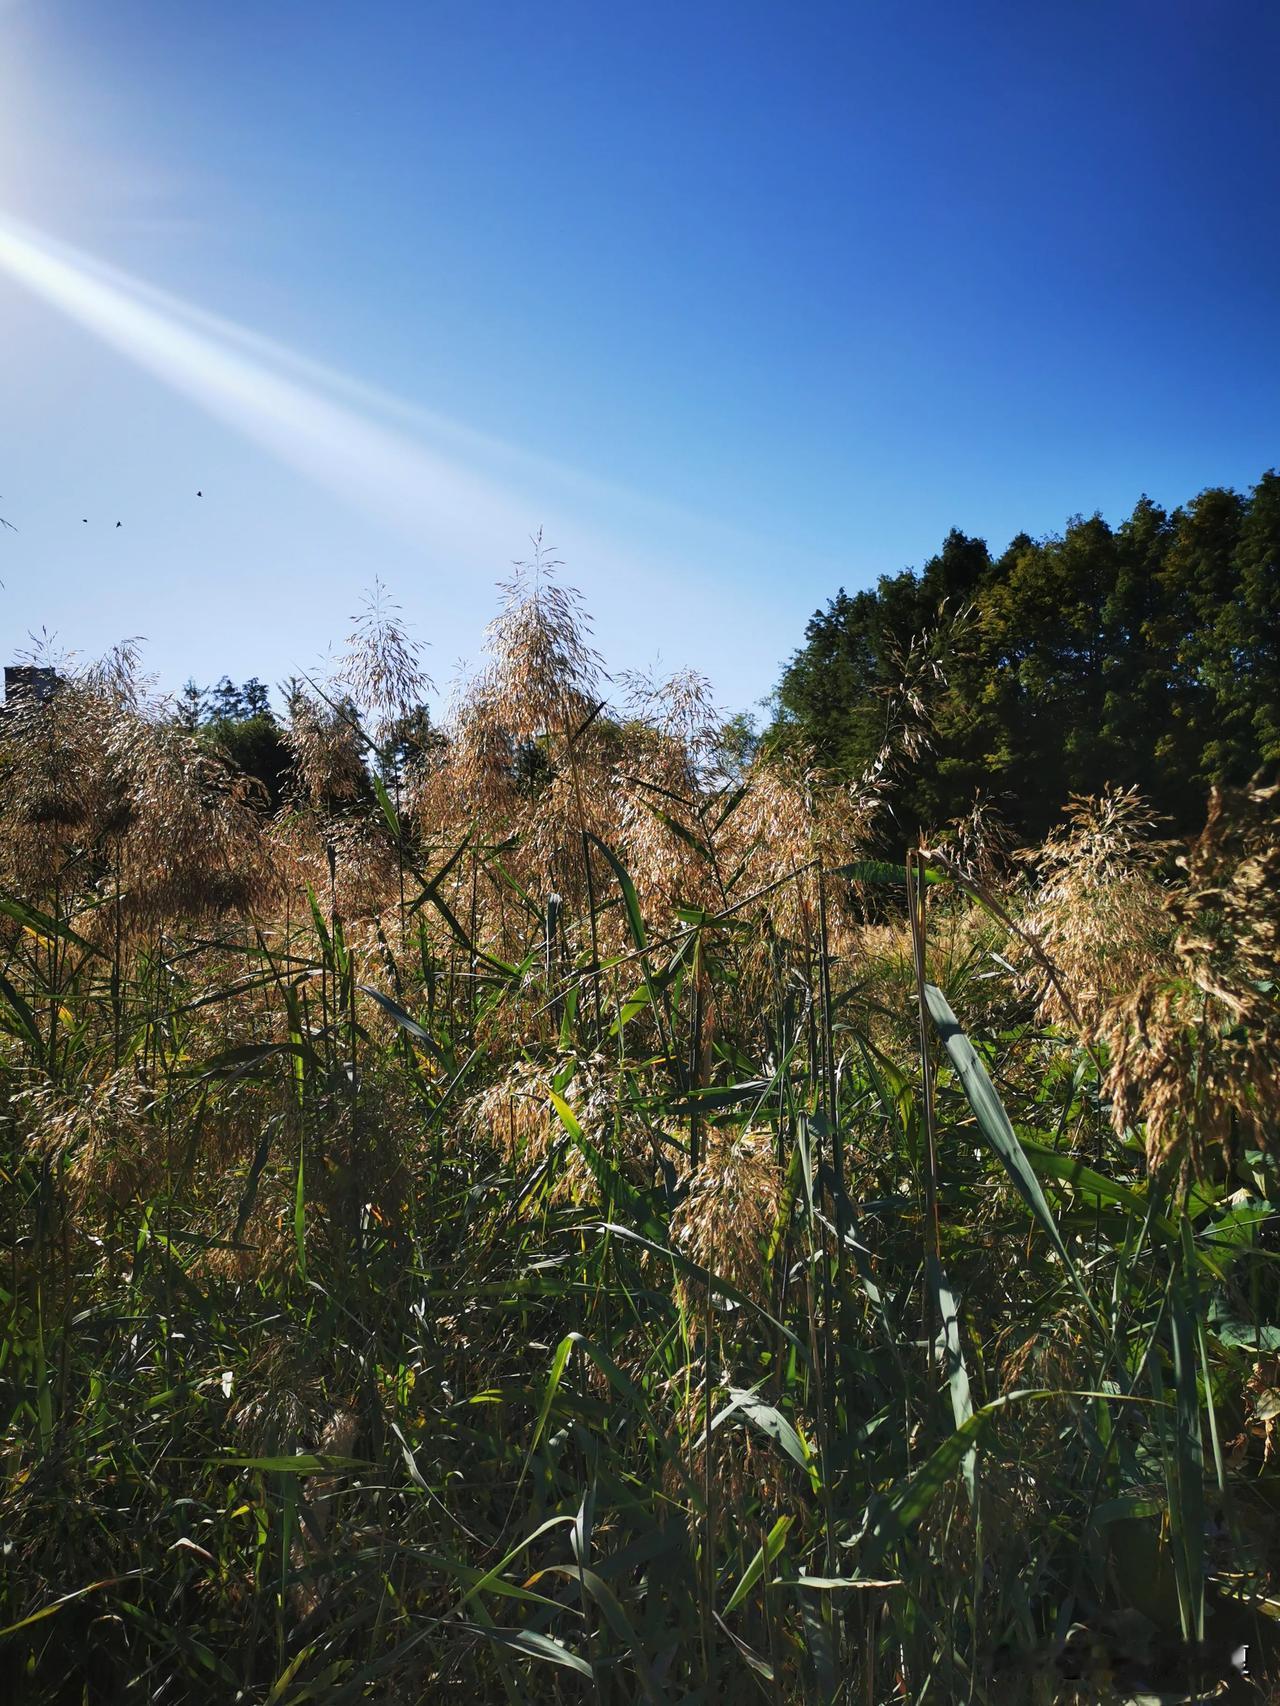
[{"x": 1193, "y": 1048}]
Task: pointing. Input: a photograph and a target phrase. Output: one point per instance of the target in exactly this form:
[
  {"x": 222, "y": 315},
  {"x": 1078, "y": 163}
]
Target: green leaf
[
  {"x": 41, "y": 924},
  {"x": 1240, "y": 1333},
  {"x": 614, "y": 1187},
  {"x": 713, "y": 1097},
  {"x": 952, "y": 1357},
  {"x": 717, "y": 1282},
  {"x": 384, "y": 800},
  {"x": 732, "y": 802},
  {"x": 1051, "y": 1164},
  {"x": 491, "y": 1580},
  {"x": 770, "y": 1421},
  {"x": 301, "y": 1463},
  {"x": 558, "y": 1364},
  {"x": 405, "y": 1020},
  {"x": 321, "y": 928},
  {"x": 881, "y": 873},
  {"x": 56, "y": 1605},
  {"x": 25, "y": 1025},
  {"x": 995, "y": 1126},
  {"x": 634, "y": 917},
  {"x": 681, "y": 833},
  {"x": 300, "y": 1213},
  {"x": 898, "y": 1514},
  {"x": 506, "y": 970},
  {"x": 531, "y": 1645},
  {"x": 620, "y": 1625},
  {"x": 238, "y": 1062},
  {"x": 769, "y": 1550},
  {"x": 1185, "y": 1470}
]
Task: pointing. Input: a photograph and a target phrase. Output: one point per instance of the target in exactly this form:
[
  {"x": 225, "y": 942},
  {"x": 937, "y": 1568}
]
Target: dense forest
[{"x": 1143, "y": 655}]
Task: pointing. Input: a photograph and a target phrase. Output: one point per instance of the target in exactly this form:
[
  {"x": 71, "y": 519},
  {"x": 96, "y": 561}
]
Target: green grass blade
[
  {"x": 770, "y": 1547},
  {"x": 629, "y": 896},
  {"x": 996, "y": 1127},
  {"x": 946, "y": 1313}
]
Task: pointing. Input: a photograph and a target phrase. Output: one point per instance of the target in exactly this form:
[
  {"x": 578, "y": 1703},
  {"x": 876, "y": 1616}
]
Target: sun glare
[{"x": 402, "y": 481}]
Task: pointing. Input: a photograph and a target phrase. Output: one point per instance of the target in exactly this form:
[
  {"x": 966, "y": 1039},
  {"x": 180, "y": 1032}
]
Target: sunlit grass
[{"x": 486, "y": 1230}]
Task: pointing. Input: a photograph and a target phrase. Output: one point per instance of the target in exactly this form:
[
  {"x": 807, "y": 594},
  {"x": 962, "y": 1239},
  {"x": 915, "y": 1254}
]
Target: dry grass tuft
[
  {"x": 1097, "y": 908},
  {"x": 729, "y": 1210},
  {"x": 1194, "y": 1048}
]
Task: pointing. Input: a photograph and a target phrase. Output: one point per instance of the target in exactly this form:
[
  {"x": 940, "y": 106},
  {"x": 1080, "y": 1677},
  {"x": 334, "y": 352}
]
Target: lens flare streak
[{"x": 405, "y": 483}]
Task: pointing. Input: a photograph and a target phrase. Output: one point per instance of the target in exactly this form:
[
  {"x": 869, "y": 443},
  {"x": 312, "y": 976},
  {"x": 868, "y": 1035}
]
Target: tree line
[
  {"x": 1144, "y": 654},
  {"x": 238, "y": 721},
  {"x": 237, "y": 718}
]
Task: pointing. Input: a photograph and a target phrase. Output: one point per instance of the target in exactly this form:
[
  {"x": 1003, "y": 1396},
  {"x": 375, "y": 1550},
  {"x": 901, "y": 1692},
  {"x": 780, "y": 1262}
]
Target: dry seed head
[
  {"x": 728, "y": 1213},
  {"x": 103, "y": 784},
  {"x": 1098, "y": 906},
  {"x": 101, "y": 1132},
  {"x": 516, "y": 1115},
  {"x": 979, "y": 843},
  {"x": 662, "y": 762},
  {"x": 195, "y": 846},
  {"x": 541, "y": 673},
  {"x": 62, "y": 793},
  {"x": 362, "y": 866},
  {"x": 1193, "y": 1049},
  {"x": 382, "y": 667},
  {"x": 679, "y": 710},
  {"x": 279, "y": 1401},
  {"x": 328, "y": 761},
  {"x": 474, "y": 783}
]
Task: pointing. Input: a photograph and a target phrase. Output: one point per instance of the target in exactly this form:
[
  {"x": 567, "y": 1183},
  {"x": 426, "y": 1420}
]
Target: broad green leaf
[
  {"x": 770, "y": 1421},
  {"x": 406, "y": 1021},
  {"x": 630, "y": 899},
  {"x": 384, "y": 801},
  {"x": 42, "y": 925},
  {"x": 531, "y": 1644},
  {"x": 995, "y": 1126},
  {"x": 769, "y": 1549},
  {"x": 614, "y": 1187},
  {"x": 56, "y": 1605},
  {"x": 952, "y": 1358}
]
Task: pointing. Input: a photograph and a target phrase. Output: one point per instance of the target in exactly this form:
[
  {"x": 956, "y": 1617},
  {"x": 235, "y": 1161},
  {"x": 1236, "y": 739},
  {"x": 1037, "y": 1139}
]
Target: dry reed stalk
[
  {"x": 381, "y": 669},
  {"x": 1097, "y": 910},
  {"x": 1194, "y": 1045},
  {"x": 727, "y": 1214}
]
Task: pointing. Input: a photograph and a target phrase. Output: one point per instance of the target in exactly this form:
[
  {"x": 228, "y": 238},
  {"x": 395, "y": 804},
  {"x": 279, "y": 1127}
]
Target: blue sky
[{"x": 741, "y": 302}]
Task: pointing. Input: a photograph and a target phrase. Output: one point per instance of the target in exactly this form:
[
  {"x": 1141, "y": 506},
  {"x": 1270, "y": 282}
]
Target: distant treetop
[{"x": 1147, "y": 654}]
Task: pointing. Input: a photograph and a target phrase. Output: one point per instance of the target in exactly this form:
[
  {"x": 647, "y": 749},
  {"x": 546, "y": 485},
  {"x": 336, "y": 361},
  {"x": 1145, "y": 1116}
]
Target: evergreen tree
[
  {"x": 239, "y": 722},
  {"x": 1146, "y": 654},
  {"x": 191, "y": 706}
]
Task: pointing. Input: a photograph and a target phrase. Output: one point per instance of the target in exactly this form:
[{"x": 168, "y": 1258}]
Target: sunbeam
[{"x": 227, "y": 372}]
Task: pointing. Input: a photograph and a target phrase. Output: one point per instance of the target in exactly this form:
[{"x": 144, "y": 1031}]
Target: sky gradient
[{"x": 740, "y": 302}]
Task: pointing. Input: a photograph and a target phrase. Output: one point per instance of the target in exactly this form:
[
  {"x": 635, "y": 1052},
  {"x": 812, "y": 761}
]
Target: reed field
[{"x": 553, "y": 1210}]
